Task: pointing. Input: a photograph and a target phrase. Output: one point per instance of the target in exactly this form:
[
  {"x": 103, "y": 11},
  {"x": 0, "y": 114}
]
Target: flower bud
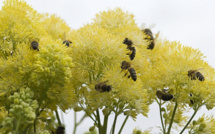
[
  {"x": 194, "y": 122},
  {"x": 91, "y": 129},
  {"x": 202, "y": 126},
  {"x": 105, "y": 111},
  {"x": 163, "y": 109},
  {"x": 77, "y": 108}
]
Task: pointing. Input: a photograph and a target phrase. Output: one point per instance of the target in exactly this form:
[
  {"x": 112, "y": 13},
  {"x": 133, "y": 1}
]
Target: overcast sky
[{"x": 192, "y": 22}]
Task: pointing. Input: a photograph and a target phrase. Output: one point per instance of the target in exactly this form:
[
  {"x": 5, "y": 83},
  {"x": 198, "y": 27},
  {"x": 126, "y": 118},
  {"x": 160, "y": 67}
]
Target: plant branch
[
  {"x": 115, "y": 119},
  {"x": 123, "y": 124},
  {"x": 172, "y": 119},
  {"x": 105, "y": 123},
  {"x": 99, "y": 121},
  {"x": 161, "y": 117},
  {"x": 88, "y": 114},
  {"x": 75, "y": 124},
  {"x": 189, "y": 120},
  {"x": 58, "y": 118}
]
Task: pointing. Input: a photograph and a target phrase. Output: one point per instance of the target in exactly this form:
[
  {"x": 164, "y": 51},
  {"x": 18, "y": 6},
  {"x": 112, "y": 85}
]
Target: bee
[
  {"x": 35, "y": 45},
  {"x": 195, "y": 74},
  {"x": 163, "y": 95},
  {"x": 149, "y": 37},
  {"x": 127, "y": 66},
  {"x": 129, "y": 44},
  {"x": 67, "y": 42},
  {"x": 60, "y": 130},
  {"x": 103, "y": 87}
]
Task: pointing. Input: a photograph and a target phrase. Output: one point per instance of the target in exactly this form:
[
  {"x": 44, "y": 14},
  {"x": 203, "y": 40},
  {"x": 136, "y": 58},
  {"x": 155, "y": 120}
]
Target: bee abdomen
[
  {"x": 106, "y": 88},
  {"x": 35, "y": 45},
  {"x": 151, "y": 45},
  {"x": 164, "y": 96},
  {"x": 132, "y": 55},
  {"x": 167, "y": 97},
  {"x": 132, "y": 74},
  {"x": 102, "y": 87},
  {"x": 200, "y": 76},
  {"x": 67, "y": 42}
]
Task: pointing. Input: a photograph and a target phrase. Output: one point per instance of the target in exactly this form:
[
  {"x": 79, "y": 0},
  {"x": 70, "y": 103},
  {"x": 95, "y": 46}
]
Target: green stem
[
  {"x": 161, "y": 117},
  {"x": 189, "y": 120},
  {"x": 87, "y": 113},
  {"x": 173, "y": 115},
  {"x": 75, "y": 122},
  {"x": 114, "y": 123},
  {"x": 26, "y": 129},
  {"x": 105, "y": 123},
  {"x": 58, "y": 118},
  {"x": 99, "y": 121},
  {"x": 81, "y": 119},
  {"x": 123, "y": 124},
  {"x": 40, "y": 103},
  {"x": 17, "y": 127}
]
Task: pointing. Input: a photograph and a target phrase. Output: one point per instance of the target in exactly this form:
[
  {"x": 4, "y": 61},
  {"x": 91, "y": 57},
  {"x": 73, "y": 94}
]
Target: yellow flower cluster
[
  {"x": 171, "y": 63},
  {"x": 204, "y": 125},
  {"x": 19, "y": 23},
  {"x": 101, "y": 52},
  {"x": 46, "y": 71},
  {"x": 107, "y": 66}
]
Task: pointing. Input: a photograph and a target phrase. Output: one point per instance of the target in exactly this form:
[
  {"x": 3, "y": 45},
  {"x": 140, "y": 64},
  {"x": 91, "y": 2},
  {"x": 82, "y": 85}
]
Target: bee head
[{"x": 127, "y": 42}]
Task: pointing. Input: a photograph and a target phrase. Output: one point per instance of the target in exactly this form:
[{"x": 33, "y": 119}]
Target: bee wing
[
  {"x": 105, "y": 81},
  {"x": 157, "y": 35},
  {"x": 64, "y": 36},
  {"x": 143, "y": 26},
  {"x": 151, "y": 26},
  {"x": 199, "y": 69}
]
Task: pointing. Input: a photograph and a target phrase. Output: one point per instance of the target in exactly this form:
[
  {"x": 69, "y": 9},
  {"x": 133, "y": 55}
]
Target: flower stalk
[
  {"x": 161, "y": 117},
  {"x": 191, "y": 118},
  {"x": 123, "y": 124},
  {"x": 172, "y": 119}
]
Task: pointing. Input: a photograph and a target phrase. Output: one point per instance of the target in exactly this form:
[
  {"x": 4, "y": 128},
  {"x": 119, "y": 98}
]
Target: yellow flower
[
  {"x": 171, "y": 62},
  {"x": 100, "y": 56},
  {"x": 204, "y": 125},
  {"x": 55, "y": 27},
  {"x": 52, "y": 73},
  {"x": 19, "y": 23},
  {"x": 122, "y": 25}
]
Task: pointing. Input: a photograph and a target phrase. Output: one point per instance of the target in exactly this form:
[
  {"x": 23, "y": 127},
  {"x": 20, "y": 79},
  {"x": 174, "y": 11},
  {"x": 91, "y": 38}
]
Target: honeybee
[
  {"x": 129, "y": 44},
  {"x": 149, "y": 37},
  {"x": 127, "y": 66},
  {"x": 196, "y": 74},
  {"x": 163, "y": 95},
  {"x": 35, "y": 45},
  {"x": 60, "y": 130},
  {"x": 67, "y": 42},
  {"x": 103, "y": 87}
]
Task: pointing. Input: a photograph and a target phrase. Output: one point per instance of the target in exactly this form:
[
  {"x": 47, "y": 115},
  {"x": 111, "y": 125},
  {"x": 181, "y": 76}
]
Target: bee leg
[
  {"x": 125, "y": 74},
  {"x": 129, "y": 76}
]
